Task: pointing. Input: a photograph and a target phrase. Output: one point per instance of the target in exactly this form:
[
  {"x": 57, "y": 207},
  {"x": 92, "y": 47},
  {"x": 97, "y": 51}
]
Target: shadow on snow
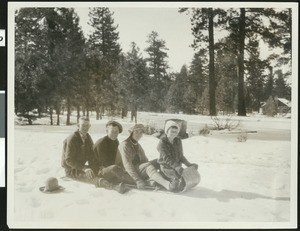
[{"x": 226, "y": 195}]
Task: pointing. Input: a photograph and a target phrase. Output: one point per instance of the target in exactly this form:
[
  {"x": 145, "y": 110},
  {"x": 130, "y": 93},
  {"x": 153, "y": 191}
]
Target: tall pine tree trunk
[
  {"x": 97, "y": 112},
  {"x": 57, "y": 114},
  {"x": 124, "y": 112},
  {"x": 241, "y": 96},
  {"x": 78, "y": 113},
  {"x": 271, "y": 82},
  {"x": 101, "y": 111},
  {"x": 212, "y": 82},
  {"x": 68, "y": 111},
  {"x": 51, "y": 115}
]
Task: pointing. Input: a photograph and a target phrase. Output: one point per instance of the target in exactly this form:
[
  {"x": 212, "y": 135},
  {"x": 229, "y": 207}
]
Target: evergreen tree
[
  {"x": 177, "y": 93},
  {"x": 226, "y": 75},
  {"x": 246, "y": 23},
  {"x": 240, "y": 61},
  {"x": 281, "y": 88},
  {"x": 198, "y": 76},
  {"x": 66, "y": 44},
  {"x": 132, "y": 81},
  {"x": 43, "y": 45},
  {"x": 256, "y": 77},
  {"x": 30, "y": 48},
  {"x": 72, "y": 59},
  {"x": 50, "y": 73},
  {"x": 269, "y": 86},
  {"x": 157, "y": 64},
  {"x": 203, "y": 22},
  {"x": 104, "y": 57}
]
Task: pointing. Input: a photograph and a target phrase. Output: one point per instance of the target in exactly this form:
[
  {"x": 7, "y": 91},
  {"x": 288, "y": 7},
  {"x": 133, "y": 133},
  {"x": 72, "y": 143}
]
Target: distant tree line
[{"x": 58, "y": 70}]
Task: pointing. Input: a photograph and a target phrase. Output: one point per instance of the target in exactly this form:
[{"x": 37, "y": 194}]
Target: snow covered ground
[{"x": 243, "y": 184}]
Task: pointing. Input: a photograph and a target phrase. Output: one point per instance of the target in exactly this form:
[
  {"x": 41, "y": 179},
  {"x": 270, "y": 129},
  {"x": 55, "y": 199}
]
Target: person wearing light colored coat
[{"x": 136, "y": 162}]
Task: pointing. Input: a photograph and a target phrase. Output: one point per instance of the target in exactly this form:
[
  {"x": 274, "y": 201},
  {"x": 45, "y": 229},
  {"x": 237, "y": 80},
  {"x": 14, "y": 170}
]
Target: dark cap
[{"x": 115, "y": 123}]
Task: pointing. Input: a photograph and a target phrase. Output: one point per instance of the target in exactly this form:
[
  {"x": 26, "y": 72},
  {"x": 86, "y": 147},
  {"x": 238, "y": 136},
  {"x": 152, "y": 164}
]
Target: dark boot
[{"x": 120, "y": 188}]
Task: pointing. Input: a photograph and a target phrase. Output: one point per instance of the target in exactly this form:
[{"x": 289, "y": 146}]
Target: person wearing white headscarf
[{"x": 171, "y": 155}]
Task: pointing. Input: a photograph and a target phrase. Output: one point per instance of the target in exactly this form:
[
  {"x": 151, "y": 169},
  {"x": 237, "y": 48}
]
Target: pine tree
[
  {"x": 176, "y": 96},
  {"x": 132, "y": 81},
  {"x": 204, "y": 20},
  {"x": 72, "y": 59},
  {"x": 38, "y": 36},
  {"x": 247, "y": 23},
  {"x": 104, "y": 57},
  {"x": 198, "y": 76},
  {"x": 281, "y": 88},
  {"x": 256, "y": 77},
  {"x": 157, "y": 64},
  {"x": 226, "y": 75},
  {"x": 27, "y": 54},
  {"x": 269, "y": 86},
  {"x": 54, "y": 48}
]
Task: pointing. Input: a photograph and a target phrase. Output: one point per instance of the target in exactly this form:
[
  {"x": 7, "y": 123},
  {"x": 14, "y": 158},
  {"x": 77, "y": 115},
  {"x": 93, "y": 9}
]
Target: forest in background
[{"x": 58, "y": 69}]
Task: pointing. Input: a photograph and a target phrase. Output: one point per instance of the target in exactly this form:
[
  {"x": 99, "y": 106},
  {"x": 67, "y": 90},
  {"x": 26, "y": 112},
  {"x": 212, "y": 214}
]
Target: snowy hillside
[{"x": 243, "y": 184}]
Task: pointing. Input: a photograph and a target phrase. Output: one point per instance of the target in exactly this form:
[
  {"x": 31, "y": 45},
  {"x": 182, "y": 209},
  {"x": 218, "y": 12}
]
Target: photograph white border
[{"x": 81, "y": 224}]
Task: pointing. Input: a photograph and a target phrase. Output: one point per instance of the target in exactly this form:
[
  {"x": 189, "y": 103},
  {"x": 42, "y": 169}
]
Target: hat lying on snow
[
  {"x": 115, "y": 123},
  {"x": 51, "y": 186},
  {"x": 137, "y": 127},
  {"x": 170, "y": 124}
]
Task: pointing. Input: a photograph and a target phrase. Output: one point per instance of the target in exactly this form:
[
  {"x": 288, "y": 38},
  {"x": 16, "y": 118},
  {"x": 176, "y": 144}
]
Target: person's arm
[
  {"x": 91, "y": 158},
  {"x": 126, "y": 155},
  {"x": 70, "y": 155},
  {"x": 98, "y": 156},
  {"x": 118, "y": 160},
  {"x": 184, "y": 159},
  {"x": 142, "y": 155}
]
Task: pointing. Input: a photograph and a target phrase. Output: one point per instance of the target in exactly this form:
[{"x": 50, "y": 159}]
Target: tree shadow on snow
[{"x": 226, "y": 195}]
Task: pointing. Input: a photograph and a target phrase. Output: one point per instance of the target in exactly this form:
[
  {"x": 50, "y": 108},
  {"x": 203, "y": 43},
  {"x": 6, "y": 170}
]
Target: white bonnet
[{"x": 169, "y": 124}]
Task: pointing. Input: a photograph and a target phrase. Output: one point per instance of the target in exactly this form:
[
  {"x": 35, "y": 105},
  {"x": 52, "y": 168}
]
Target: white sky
[
  {"x": 135, "y": 24},
  {"x": 136, "y": 20}
]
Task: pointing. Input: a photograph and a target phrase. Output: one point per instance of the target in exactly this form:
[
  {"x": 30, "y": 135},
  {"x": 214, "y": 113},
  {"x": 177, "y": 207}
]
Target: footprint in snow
[
  {"x": 43, "y": 170},
  {"x": 81, "y": 202},
  {"x": 35, "y": 202}
]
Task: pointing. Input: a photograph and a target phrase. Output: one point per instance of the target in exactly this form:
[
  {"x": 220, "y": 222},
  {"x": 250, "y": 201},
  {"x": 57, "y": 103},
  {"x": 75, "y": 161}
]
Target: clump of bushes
[
  {"x": 204, "y": 131},
  {"x": 150, "y": 130},
  {"x": 225, "y": 124},
  {"x": 242, "y": 137}
]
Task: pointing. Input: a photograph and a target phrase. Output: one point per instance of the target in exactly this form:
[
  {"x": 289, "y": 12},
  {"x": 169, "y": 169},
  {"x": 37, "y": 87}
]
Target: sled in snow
[{"x": 191, "y": 178}]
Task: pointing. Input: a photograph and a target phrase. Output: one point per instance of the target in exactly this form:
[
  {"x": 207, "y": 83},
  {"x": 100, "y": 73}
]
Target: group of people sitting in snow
[{"x": 118, "y": 166}]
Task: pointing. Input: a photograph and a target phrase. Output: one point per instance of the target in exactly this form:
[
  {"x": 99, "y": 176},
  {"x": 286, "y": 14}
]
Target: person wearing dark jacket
[
  {"x": 108, "y": 163},
  {"x": 77, "y": 151},
  {"x": 171, "y": 155}
]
